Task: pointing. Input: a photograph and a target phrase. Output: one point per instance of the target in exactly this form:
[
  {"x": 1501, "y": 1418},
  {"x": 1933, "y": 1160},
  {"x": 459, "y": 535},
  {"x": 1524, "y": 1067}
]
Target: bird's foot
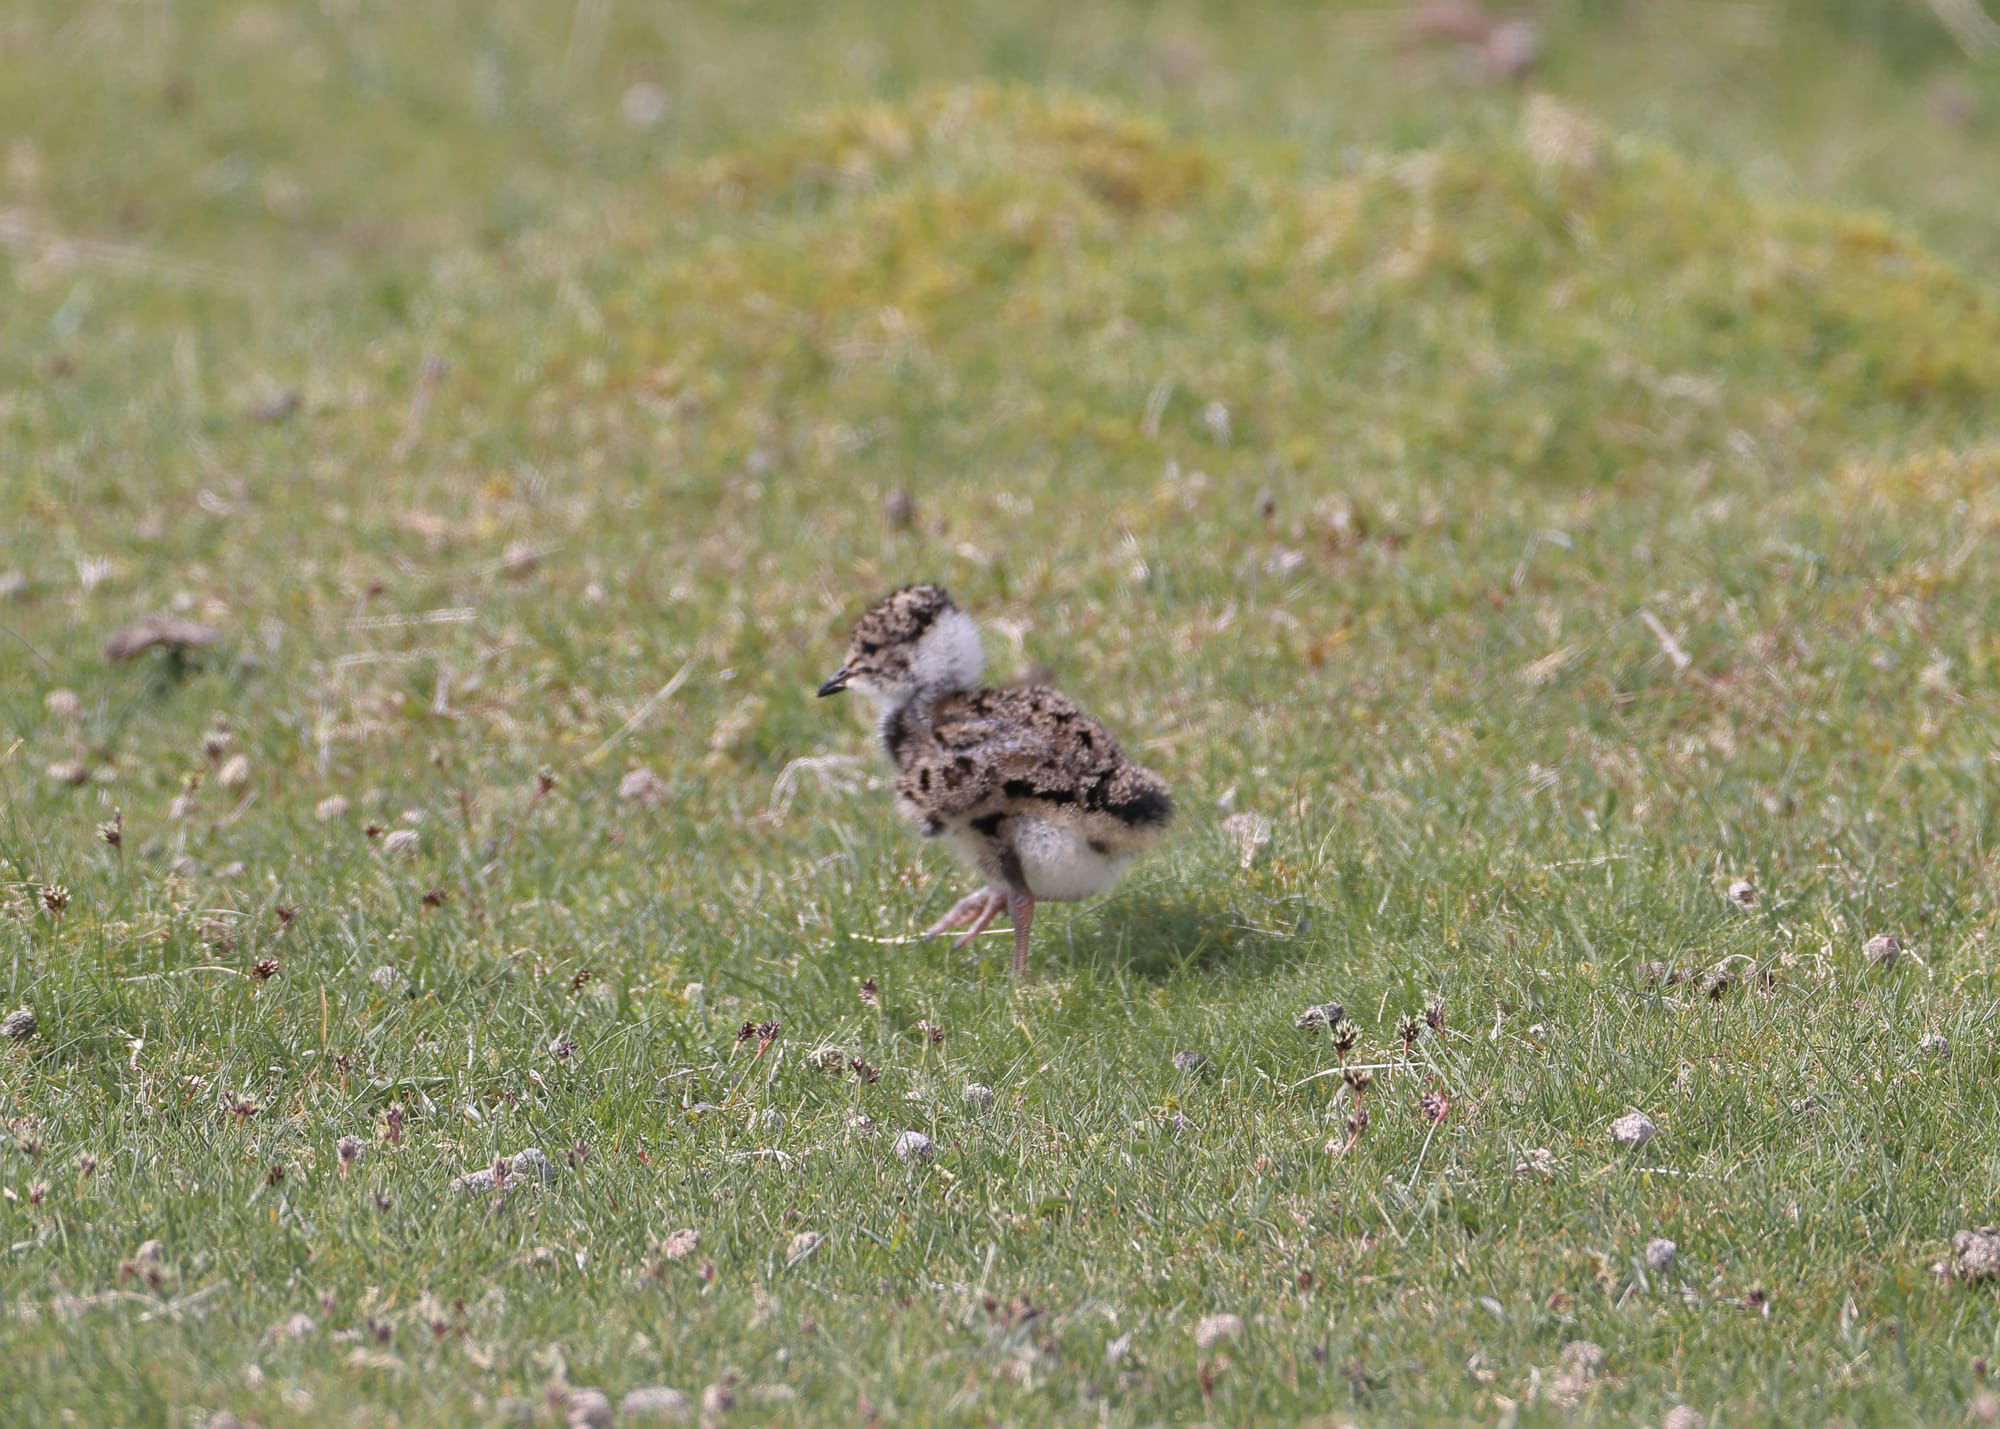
[{"x": 977, "y": 909}]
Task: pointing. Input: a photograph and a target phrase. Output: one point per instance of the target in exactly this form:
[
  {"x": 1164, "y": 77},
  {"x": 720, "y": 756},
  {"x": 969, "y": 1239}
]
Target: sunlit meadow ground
[{"x": 1527, "y": 519}]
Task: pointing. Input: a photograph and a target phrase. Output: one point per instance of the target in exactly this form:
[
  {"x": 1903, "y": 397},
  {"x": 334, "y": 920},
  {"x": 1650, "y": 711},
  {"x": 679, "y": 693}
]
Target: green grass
[{"x": 1540, "y": 516}]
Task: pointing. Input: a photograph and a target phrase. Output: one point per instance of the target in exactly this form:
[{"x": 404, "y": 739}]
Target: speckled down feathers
[{"x": 978, "y": 754}]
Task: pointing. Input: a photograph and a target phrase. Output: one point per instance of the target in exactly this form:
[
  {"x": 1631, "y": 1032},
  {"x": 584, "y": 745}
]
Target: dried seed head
[
  {"x": 63, "y": 704},
  {"x": 1409, "y": 1030},
  {"x": 112, "y": 830},
  {"x": 871, "y": 993},
  {"x": 333, "y": 806},
  {"x": 562, "y": 1049},
  {"x": 1743, "y": 893},
  {"x": 349, "y": 1149},
  {"x": 803, "y": 1244},
  {"x": 1934, "y": 1044},
  {"x": 1358, "y": 1078},
  {"x": 681, "y": 1243},
  {"x": 1189, "y": 1062},
  {"x": 979, "y": 1097},
  {"x": 234, "y": 773},
  {"x": 1883, "y": 950},
  {"x": 1345, "y": 1037},
  {"x": 861, "y": 1069},
  {"x": 1357, "y": 1122},
  {"x": 913, "y": 1148},
  {"x": 264, "y": 969},
  {"x": 400, "y": 843},
  {"x": 931, "y": 1030},
  {"x": 55, "y": 898},
  {"x": 86, "y": 1165},
  {"x": 68, "y": 772},
  {"x": 1434, "y": 1106},
  {"x": 1661, "y": 1254},
  {"x": 1434, "y": 1016}
]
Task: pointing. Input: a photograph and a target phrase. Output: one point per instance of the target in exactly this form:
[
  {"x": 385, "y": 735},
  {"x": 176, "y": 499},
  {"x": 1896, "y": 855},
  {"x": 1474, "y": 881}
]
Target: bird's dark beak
[{"x": 836, "y": 682}]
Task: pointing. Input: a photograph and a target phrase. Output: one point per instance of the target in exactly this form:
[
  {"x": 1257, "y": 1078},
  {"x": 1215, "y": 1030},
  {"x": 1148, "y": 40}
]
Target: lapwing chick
[{"x": 1027, "y": 787}]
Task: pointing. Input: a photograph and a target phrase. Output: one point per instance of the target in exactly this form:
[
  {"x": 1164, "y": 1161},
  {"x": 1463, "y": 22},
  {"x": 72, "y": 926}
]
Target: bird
[{"x": 1029, "y": 789}]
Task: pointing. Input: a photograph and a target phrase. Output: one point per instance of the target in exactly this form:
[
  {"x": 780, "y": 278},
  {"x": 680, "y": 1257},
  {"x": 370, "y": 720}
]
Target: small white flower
[
  {"x": 530, "y": 1164},
  {"x": 643, "y": 786},
  {"x": 1217, "y": 1329},
  {"x": 1249, "y": 833},
  {"x": 1538, "y": 1162},
  {"x": 829, "y": 1059},
  {"x": 643, "y": 104},
  {"x": 586, "y": 1409},
  {"x": 654, "y": 1404},
  {"x": 1633, "y": 1129},
  {"x": 1975, "y": 1255}
]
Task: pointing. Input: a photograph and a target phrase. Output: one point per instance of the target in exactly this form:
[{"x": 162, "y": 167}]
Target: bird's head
[{"x": 912, "y": 641}]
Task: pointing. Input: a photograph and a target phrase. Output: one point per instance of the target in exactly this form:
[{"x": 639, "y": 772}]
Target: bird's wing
[{"x": 1020, "y": 744}]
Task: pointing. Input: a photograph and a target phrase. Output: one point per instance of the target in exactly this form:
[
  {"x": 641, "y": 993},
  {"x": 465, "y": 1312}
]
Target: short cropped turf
[{"x": 1543, "y": 529}]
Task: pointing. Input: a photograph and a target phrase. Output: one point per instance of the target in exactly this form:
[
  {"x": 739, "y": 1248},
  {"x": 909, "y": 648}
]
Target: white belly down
[{"x": 1060, "y": 864}]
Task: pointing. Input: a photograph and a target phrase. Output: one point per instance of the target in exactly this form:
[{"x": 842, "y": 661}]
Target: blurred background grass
[{"x": 350, "y": 137}]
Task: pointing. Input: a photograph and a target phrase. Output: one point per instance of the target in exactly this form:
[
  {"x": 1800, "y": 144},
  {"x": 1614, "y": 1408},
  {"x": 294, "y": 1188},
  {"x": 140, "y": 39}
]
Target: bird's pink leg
[{"x": 1021, "y": 908}]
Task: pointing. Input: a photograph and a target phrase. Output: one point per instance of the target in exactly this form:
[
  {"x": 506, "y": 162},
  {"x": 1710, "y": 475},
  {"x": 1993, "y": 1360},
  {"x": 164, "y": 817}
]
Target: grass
[{"x": 1540, "y": 515}]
